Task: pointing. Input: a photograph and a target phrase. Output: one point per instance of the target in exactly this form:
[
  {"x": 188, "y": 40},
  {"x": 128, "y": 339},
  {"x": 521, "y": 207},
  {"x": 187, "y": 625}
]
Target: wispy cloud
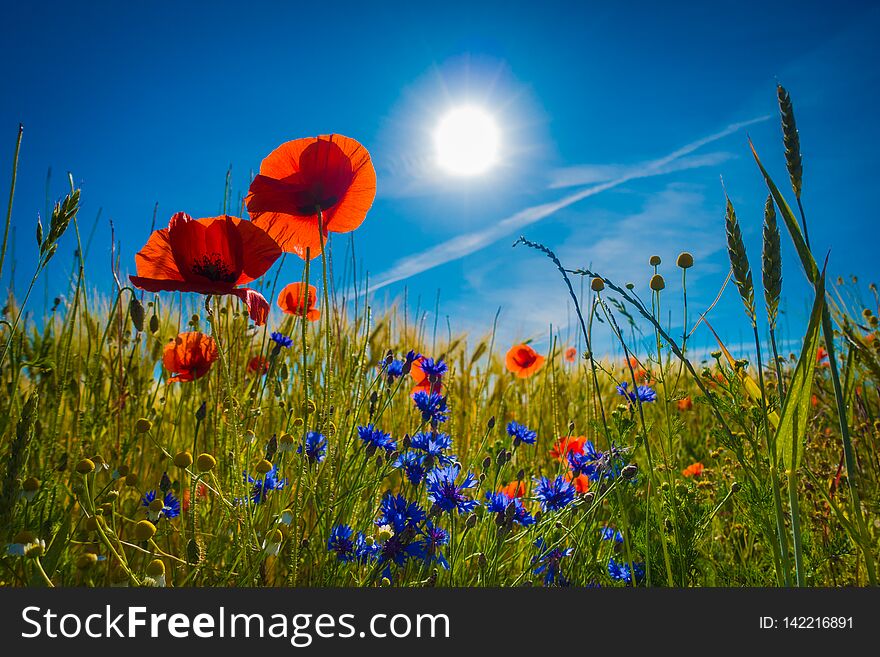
[{"x": 463, "y": 245}]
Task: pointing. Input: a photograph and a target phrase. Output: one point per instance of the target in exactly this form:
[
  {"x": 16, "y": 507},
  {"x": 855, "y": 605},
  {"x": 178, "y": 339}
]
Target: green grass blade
[{"x": 797, "y": 400}]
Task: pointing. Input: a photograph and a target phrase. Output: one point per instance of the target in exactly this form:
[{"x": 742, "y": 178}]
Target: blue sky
[{"x": 618, "y": 122}]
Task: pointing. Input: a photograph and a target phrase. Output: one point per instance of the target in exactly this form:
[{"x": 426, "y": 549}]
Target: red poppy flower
[
  {"x": 422, "y": 382},
  {"x": 693, "y": 470},
  {"x": 291, "y": 301},
  {"x": 514, "y": 489},
  {"x": 330, "y": 174},
  {"x": 212, "y": 255},
  {"x": 571, "y": 354},
  {"x": 821, "y": 356},
  {"x": 189, "y": 356},
  {"x": 523, "y": 361},
  {"x": 685, "y": 404},
  {"x": 258, "y": 365},
  {"x": 581, "y": 482},
  {"x": 568, "y": 444}
]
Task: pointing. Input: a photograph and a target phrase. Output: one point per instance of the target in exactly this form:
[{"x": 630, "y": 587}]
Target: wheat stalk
[
  {"x": 771, "y": 263},
  {"x": 739, "y": 262}
]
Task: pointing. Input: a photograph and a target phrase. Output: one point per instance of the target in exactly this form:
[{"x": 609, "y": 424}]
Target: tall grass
[{"x": 695, "y": 459}]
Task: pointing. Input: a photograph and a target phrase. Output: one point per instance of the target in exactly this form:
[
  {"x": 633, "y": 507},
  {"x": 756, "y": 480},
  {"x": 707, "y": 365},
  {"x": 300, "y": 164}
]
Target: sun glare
[{"x": 467, "y": 142}]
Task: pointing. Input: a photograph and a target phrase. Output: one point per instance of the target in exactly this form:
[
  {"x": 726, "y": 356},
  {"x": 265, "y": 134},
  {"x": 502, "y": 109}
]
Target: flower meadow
[{"x": 204, "y": 422}]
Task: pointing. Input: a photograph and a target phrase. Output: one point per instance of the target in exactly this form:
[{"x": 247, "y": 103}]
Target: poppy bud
[
  {"x": 202, "y": 412},
  {"x": 597, "y": 285},
  {"x": 657, "y": 282},
  {"x": 143, "y": 425},
  {"x": 654, "y": 260},
  {"x": 470, "y": 522},
  {"x": 137, "y": 314},
  {"x": 131, "y": 479},
  {"x": 205, "y": 462},
  {"x": 154, "y": 324},
  {"x": 487, "y": 462},
  {"x": 183, "y": 460},
  {"x": 685, "y": 260},
  {"x": 735, "y": 487},
  {"x": 491, "y": 423},
  {"x": 144, "y": 530},
  {"x": 629, "y": 471},
  {"x": 85, "y": 466},
  {"x": 588, "y": 497}
]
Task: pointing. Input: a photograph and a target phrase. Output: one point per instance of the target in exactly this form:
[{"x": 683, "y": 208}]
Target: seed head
[
  {"x": 144, "y": 530},
  {"x": 657, "y": 282},
  {"x": 685, "y": 260},
  {"x": 654, "y": 261},
  {"x": 155, "y": 568},
  {"x": 86, "y": 561},
  {"x": 86, "y": 466},
  {"x": 183, "y": 460},
  {"x": 597, "y": 285},
  {"x": 264, "y": 466},
  {"x": 205, "y": 462},
  {"x": 143, "y": 425}
]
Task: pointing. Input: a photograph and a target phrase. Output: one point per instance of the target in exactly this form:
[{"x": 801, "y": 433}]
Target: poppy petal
[
  {"x": 258, "y": 307},
  {"x": 330, "y": 172},
  {"x": 156, "y": 259},
  {"x": 208, "y": 249},
  {"x": 258, "y": 249}
]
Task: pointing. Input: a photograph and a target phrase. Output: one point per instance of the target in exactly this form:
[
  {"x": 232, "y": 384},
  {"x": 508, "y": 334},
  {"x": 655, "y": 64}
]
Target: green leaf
[
  {"x": 797, "y": 399},
  {"x": 791, "y": 223}
]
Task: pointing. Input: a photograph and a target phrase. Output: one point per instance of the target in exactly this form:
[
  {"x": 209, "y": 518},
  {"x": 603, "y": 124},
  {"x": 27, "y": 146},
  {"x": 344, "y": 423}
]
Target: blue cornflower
[
  {"x": 364, "y": 550},
  {"x": 399, "y": 548},
  {"x": 611, "y": 534},
  {"x": 547, "y": 562},
  {"x": 341, "y": 543},
  {"x": 376, "y": 439},
  {"x": 433, "y": 444},
  {"x": 170, "y": 505},
  {"x": 642, "y": 393},
  {"x": 432, "y": 369},
  {"x": 413, "y": 465},
  {"x": 554, "y": 495},
  {"x": 446, "y": 494},
  {"x": 393, "y": 370},
  {"x": 435, "y": 537},
  {"x": 620, "y": 571},
  {"x": 432, "y": 406},
  {"x": 521, "y": 434},
  {"x": 315, "y": 447},
  {"x": 499, "y": 503},
  {"x": 262, "y": 485},
  {"x": 587, "y": 462},
  {"x": 400, "y": 514},
  {"x": 280, "y": 339}
]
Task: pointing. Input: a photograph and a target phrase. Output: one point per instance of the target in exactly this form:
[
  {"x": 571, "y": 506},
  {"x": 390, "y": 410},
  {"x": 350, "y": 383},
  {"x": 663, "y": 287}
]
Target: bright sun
[{"x": 467, "y": 141}]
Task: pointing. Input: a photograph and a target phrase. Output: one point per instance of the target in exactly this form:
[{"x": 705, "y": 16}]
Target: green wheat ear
[
  {"x": 790, "y": 140},
  {"x": 771, "y": 263},
  {"x": 739, "y": 261}
]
